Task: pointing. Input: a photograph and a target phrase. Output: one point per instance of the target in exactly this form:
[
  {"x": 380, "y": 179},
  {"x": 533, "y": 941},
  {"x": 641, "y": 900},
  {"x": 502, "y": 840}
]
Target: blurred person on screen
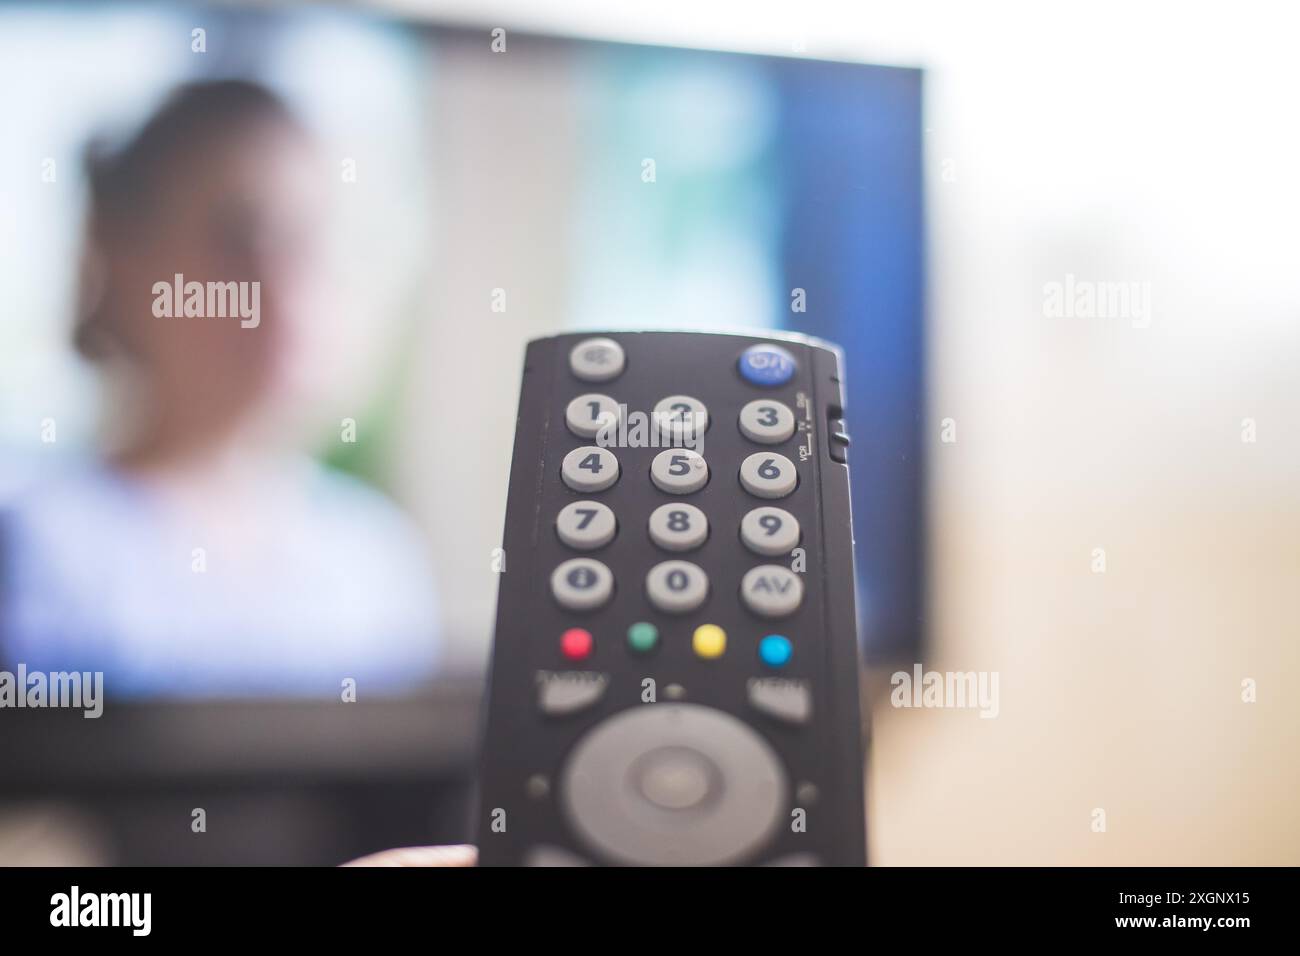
[{"x": 201, "y": 553}]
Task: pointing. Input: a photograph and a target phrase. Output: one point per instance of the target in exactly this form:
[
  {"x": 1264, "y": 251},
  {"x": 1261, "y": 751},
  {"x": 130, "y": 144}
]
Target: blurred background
[{"x": 1102, "y": 508}]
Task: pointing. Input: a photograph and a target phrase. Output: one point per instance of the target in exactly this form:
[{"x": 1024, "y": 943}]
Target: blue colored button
[
  {"x": 767, "y": 365},
  {"x": 774, "y": 650}
]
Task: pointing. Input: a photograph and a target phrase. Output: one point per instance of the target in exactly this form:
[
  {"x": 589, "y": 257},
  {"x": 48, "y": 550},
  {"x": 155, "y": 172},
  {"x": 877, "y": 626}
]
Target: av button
[{"x": 771, "y": 590}]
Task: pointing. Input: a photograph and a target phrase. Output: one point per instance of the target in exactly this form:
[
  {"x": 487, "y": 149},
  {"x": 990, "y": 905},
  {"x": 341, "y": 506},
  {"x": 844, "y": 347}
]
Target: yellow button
[{"x": 710, "y": 640}]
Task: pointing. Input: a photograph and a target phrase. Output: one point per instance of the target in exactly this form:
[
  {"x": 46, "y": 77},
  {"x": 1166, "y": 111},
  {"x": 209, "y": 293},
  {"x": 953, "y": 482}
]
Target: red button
[{"x": 576, "y": 643}]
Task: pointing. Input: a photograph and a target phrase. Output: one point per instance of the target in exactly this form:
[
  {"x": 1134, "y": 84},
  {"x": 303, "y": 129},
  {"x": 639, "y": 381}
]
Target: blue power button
[{"x": 767, "y": 365}]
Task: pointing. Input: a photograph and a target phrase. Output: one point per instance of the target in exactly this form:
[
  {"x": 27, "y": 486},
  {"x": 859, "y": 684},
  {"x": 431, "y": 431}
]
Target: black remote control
[{"x": 674, "y": 678}]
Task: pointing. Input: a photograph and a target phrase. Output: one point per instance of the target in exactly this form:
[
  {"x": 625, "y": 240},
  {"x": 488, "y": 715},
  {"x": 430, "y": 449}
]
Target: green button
[{"x": 642, "y": 636}]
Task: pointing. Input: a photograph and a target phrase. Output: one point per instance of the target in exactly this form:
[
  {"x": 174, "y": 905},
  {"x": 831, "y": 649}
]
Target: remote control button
[
  {"x": 586, "y": 525},
  {"x": 597, "y": 360},
  {"x": 674, "y": 784},
  {"x": 769, "y": 531},
  {"x": 766, "y": 422},
  {"x": 642, "y": 637},
  {"x": 786, "y": 700},
  {"x": 679, "y": 471},
  {"x": 681, "y": 416},
  {"x": 589, "y": 468},
  {"x": 766, "y": 474},
  {"x": 676, "y": 587},
  {"x": 794, "y": 859},
  {"x": 771, "y": 590},
  {"x": 576, "y": 643},
  {"x": 587, "y": 414},
  {"x": 546, "y": 855},
  {"x": 775, "y": 650},
  {"x": 678, "y": 527},
  {"x": 581, "y": 584},
  {"x": 568, "y": 692},
  {"x": 709, "y": 641},
  {"x": 767, "y": 365}
]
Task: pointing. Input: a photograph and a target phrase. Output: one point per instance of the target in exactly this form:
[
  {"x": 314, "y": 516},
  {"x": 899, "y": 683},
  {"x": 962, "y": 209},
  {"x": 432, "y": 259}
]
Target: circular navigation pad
[{"x": 674, "y": 784}]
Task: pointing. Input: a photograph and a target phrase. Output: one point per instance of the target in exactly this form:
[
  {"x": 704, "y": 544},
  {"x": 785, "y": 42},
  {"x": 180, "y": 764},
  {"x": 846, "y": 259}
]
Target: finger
[{"x": 457, "y": 855}]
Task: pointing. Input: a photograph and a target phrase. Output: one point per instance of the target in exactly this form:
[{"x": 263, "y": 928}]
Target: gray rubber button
[
  {"x": 682, "y": 417},
  {"x": 796, "y": 859},
  {"x": 581, "y": 584},
  {"x": 587, "y": 414},
  {"x": 771, "y": 590},
  {"x": 769, "y": 531},
  {"x": 586, "y": 525},
  {"x": 786, "y": 700},
  {"x": 589, "y": 468},
  {"x": 766, "y": 474},
  {"x": 676, "y": 587},
  {"x": 766, "y": 421},
  {"x": 678, "y": 527},
  {"x": 567, "y": 692},
  {"x": 674, "y": 784},
  {"x": 679, "y": 471},
  {"x": 597, "y": 360},
  {"x": 545, "y": 855}
]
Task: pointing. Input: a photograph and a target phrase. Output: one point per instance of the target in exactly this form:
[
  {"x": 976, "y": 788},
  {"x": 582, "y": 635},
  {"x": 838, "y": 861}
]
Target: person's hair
[{"x": 122, "y": 181}]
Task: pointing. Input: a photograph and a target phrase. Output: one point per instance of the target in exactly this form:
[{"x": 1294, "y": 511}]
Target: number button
[
  {"x": 582, "y": 584},
  {"x": 771, "y": 590},
  {"x": 679, "y": 471},
  {"x": 597, "y": 360},
  {"x": 589, "y": 468},
  {"x": 678, "y": 527},
  {"x": 769, "y": 531},
  {"x": 587, "y": 414},
  {"x": 586, "y": 525},
  {"x": 676, "y": 587},
  {"x": 766, "y": 474},
  {"x": 681, "y": 417},
  {"x": 766, "y": 422}
]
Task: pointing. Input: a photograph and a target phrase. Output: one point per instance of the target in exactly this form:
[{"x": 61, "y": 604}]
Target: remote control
[{"x": 674, "y": 676}]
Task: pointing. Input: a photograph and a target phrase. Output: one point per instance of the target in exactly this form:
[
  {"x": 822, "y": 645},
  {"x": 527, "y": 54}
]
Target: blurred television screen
[{"x": 199, "y": 510}]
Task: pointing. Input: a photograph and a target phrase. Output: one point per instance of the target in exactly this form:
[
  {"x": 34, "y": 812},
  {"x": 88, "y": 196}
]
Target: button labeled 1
[
  {"x": 766, "y": 474},
  {"x": 587, "y": 414}
]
